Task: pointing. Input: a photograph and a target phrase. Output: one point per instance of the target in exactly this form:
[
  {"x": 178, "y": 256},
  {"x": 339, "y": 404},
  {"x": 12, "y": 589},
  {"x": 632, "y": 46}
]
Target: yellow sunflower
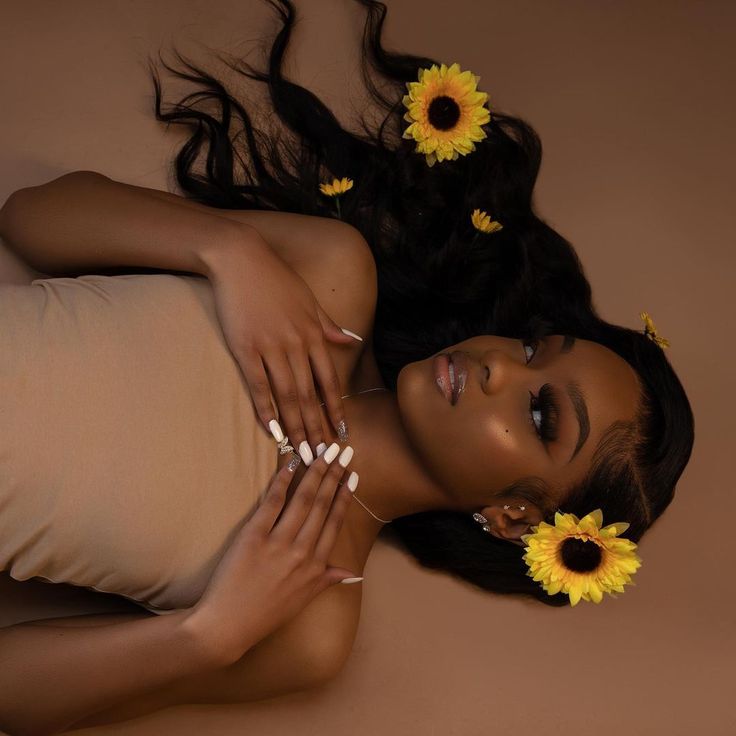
[
  {"x": 482, "y": 221},
  {"x": 651, "y": 331},
  {"x": 445, "y": 111},
  {"x": 577, "y": 557}
]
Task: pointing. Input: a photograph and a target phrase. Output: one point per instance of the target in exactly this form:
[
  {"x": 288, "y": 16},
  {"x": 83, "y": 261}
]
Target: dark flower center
[
  {"x": 443, "y": 112},
  {"x": 581, "y": 555}
]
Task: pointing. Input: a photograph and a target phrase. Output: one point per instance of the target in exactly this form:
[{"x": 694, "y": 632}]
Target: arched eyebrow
[{"x": 577, "y": 399}]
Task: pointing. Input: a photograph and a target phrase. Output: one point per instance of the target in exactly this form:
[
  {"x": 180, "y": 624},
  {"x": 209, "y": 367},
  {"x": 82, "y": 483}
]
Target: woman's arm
[
  {"x": 306, "y": 653},
  {"x": 97, "y": 223},
  {"x": 83, "y": 221},
  {"x": 51, "y": 677},
  {"x": 13, "y": 270}
]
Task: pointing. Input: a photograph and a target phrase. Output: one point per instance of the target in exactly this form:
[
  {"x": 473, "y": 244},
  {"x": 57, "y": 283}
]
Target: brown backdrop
[{"x": 634, "y": 104}]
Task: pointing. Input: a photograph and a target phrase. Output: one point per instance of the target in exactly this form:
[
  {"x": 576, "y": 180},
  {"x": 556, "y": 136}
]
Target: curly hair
[{"x": 437, "y": 283}]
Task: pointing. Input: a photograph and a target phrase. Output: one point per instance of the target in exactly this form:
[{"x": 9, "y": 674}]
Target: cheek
[
  {"x": 479, "y": 455},
  {"x": 498, "y": 436},
  {"x": 504, "y": 451},
  {"x": 465, "y": 452}
]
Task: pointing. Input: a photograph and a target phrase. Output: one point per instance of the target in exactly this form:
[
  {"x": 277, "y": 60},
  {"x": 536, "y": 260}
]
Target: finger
[
  {"x": 335, "y": 332},
  {"x": 333, "y": 523},
  {"x": 259, "y": 386},
  {"x": 266, "y": 514},
  {"x": 323, "y": 502},
  {"x": 324, "y": 370},
  {"x": 300, "y": 504},
  {"x": 287, "y": 399},
  {"x": 308, "y": 403}
]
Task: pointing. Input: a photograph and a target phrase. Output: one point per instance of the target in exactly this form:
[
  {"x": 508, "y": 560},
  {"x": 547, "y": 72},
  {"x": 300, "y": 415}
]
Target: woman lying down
[{"x": 213, "y": 405}]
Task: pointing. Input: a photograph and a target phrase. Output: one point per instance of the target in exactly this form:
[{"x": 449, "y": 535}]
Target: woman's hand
[
  {"x": 277, "y": 562},
  {"x": 274, "y": 327}
]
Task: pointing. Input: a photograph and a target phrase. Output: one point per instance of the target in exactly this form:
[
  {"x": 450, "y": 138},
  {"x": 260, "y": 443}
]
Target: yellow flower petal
[
  {"x": 575, "y": 595},
  {"x": 338, "y": 186},
  {"x": 482, "y": 221},
  {"x": 651, "y": 331}
]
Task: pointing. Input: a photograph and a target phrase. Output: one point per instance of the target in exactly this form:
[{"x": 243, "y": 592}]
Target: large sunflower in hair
[
  {"x": 445, "y": 111},
  {"x": 577, "y": 557}
]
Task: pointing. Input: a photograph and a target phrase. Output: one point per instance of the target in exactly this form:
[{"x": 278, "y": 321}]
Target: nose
[{"x": 497, "y": 367}]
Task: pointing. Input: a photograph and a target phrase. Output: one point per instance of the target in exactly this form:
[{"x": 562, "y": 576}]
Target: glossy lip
[
  {"x": 441, "y": 364},
  {"x": 449, "y": 389},
  {"x": 460, "y": 367}
]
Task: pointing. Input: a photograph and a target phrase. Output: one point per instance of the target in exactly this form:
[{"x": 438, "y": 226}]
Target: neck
[{"x": 392, "y": 480}]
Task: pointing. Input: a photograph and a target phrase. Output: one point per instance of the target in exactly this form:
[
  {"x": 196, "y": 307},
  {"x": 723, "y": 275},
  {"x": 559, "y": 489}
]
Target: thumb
[{"x": 333, "y": 331}]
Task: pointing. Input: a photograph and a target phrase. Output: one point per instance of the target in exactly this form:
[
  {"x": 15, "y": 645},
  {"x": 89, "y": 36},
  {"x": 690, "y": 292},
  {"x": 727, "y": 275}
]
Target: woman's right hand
[
  {"x": 277, "y": 561},
  {"x": 272, "y": 322}
]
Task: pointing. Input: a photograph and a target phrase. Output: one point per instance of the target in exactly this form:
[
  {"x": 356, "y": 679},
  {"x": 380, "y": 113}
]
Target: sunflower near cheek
[{"x": 579, "y": 558}]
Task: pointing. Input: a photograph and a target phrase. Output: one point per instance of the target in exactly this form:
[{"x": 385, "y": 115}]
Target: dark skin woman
[{"x": 553, "y": 408}]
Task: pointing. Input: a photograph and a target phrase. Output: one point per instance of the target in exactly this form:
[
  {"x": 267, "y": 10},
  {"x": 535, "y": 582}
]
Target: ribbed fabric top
[{"x": 130, "y": 452}]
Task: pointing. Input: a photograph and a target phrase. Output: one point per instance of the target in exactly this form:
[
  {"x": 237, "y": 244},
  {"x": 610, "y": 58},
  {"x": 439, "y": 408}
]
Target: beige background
[{"x": 634, "y": 104}]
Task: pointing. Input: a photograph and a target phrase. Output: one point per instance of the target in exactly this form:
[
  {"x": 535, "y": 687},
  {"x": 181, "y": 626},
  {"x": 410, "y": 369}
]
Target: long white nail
[
  {"x": 352, "y": 334},
  {"x": 331, "y": 452},
  {"x": 306, "y": 452},
  {"x": 321, "y": 447},
  {"x": 275, "y": 428},
  {"x": 346, "y": 456},
  {"x": 348, "y": 581},
  {"x": 353, "y": 481}
]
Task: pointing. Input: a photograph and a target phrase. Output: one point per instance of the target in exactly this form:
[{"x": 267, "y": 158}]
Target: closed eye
[{"x": 545, "y": 405}]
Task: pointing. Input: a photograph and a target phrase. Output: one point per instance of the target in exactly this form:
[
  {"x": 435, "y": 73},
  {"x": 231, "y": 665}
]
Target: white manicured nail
[
  {"x": 321, "y": 447},
  {"x": 345, "y": 456},
  {"x": 348, "y": 581},
  {"x": 275, "y": 428},
  {"x": 352, "y": 334},
  {"x": 306, "y": 452},
  {"x": 353, "y": 481},
  {"x": 331, "y": 452}
]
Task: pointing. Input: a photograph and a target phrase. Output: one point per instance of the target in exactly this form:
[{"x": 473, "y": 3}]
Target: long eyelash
[
  {"x": 550, "y": 413},
  {"x": 546, "y": 401}
]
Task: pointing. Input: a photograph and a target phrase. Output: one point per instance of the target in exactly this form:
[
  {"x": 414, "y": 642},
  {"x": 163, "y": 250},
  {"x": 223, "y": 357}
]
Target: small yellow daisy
[
  {"x": 577, "y": 557},
  {"x": 445, "y": 111},
  {"x": 482, "y": 221},
  {"x": 338, "y": 186},
  {"x": 651, "y": 332}
]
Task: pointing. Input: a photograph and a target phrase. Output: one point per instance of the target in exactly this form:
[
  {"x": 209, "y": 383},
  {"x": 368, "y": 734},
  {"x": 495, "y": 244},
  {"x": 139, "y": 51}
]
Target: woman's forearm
[
  {"x": 82, "y": 221},
  {"x": 52, "y": 677}
]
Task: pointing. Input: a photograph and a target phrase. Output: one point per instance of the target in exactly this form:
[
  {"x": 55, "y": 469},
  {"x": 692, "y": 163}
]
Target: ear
[{"x": 510, "y": 524}]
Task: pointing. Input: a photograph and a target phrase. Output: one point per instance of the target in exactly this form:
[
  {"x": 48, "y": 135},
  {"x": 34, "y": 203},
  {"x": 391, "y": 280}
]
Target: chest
[
  {"x": 347, "y": 294},
  {"x": 348, "y": 297}
]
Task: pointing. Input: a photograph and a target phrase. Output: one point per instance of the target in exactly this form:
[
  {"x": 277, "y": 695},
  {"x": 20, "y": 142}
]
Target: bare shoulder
[
  {"x": 331, "y": 255},
  {"x": 333, "y": 258},
  {"x": 341, "y": 274},
  {"x": 311, "y": 244},
  {"x": 337, "y": 264}
]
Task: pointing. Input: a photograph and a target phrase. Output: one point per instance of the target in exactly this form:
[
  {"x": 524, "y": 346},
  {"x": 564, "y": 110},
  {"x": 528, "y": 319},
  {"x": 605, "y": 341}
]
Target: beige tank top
[{"x": 130, "y": 451}]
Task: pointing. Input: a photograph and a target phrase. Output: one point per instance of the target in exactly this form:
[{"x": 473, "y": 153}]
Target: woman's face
[{"x": 490, "y": 437}]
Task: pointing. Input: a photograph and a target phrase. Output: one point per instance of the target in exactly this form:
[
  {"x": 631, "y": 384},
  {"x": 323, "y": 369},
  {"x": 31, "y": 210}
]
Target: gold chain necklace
[{"x": 353, "y": 494}]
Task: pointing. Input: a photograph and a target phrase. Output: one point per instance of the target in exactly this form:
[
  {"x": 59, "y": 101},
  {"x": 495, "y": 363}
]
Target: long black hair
[{"x": 439, "y": 283}]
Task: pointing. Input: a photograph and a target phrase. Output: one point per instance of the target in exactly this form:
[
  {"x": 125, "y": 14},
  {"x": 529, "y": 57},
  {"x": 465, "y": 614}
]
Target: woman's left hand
[{"x": 277, "y": 331}]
